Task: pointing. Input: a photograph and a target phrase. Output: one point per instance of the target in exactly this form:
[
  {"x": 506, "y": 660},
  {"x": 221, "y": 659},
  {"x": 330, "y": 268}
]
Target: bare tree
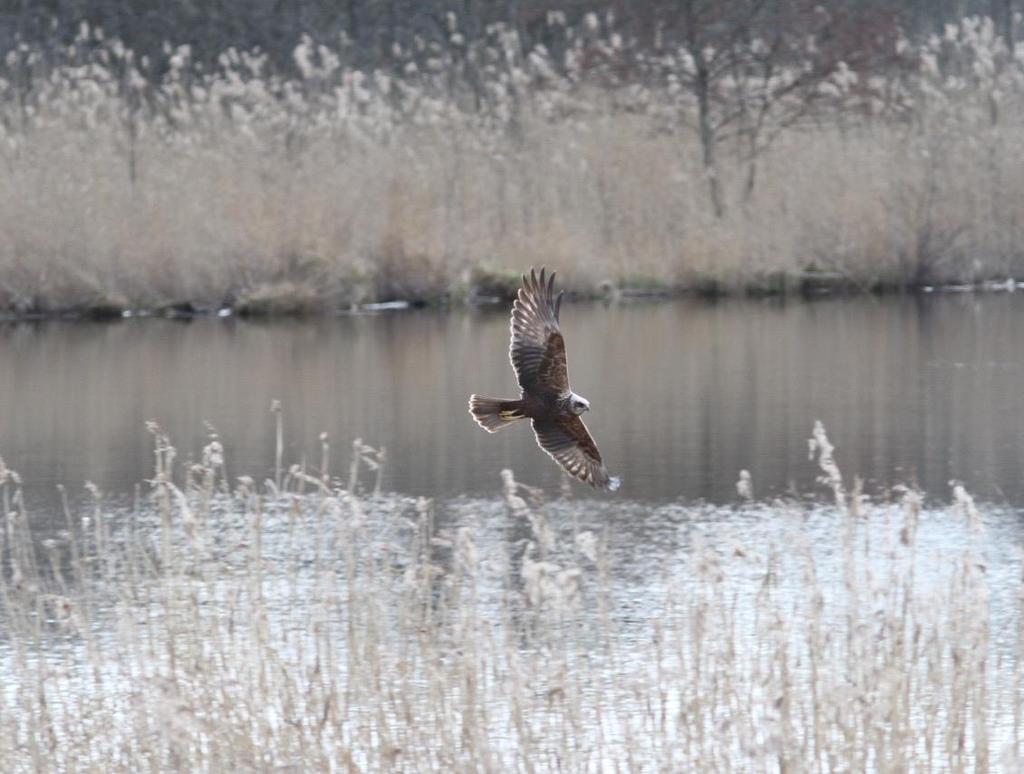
[{"x": 746, "y": 70}]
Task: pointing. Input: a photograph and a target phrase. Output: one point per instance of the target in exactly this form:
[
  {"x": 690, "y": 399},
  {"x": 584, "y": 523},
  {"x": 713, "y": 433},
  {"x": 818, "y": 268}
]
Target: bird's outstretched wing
[
  {"x": 569, "y": 443},
  {"x": 537, "y": 350}
]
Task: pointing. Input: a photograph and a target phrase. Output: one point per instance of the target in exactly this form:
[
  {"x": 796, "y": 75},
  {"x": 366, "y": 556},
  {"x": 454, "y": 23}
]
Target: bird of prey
[{"x": 537, "y": 352}]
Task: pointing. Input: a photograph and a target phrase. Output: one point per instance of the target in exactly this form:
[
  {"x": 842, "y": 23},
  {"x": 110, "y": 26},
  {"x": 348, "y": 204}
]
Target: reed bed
[
  {"x": 131, "y": 183},
  {"x": 313, "y": 623}
]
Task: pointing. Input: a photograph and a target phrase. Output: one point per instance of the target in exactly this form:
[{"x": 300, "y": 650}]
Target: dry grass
[
  {"x": 613, "y": 203},
  {"x": 232, "y": 186},
  {"x": 313, "y": 624}
]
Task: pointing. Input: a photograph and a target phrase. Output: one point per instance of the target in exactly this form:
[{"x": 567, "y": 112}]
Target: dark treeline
[{"x": 368, "y": 28}]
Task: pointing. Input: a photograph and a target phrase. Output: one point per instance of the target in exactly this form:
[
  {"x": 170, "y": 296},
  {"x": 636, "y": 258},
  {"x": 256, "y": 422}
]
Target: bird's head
[{"x": 578, "y": 404}]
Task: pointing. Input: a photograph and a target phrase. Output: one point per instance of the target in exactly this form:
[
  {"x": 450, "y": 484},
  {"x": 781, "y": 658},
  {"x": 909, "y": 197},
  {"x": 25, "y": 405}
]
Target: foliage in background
[
  {"x": 371, "y": 26},
  {"x": 715, "y": 146}
]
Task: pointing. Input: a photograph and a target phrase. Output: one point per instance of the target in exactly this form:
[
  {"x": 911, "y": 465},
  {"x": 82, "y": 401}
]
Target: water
[{"x": 684, "y": 395}]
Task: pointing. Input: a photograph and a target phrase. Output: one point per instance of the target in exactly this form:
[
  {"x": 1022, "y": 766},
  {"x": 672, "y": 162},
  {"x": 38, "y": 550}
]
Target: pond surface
[{"x": 684, "y": 395}]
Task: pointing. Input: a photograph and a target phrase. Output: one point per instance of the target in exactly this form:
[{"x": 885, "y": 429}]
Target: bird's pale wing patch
[
  {"x": 569, "y": 443},
  {"x": 538, "y": 349}
]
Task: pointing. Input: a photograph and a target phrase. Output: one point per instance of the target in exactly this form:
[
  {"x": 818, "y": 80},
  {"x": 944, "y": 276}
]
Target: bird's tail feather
[{"x": 493, "y": 414}]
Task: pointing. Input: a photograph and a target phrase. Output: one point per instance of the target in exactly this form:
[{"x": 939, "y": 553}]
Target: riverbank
[
  {"x": 610, "y": 207},
  {"x": 173, "y": 187},
  {"x": 287, "y": 301}
]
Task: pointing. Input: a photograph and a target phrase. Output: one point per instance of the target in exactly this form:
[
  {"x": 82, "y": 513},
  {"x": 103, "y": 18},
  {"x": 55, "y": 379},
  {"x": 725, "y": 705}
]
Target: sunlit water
[
  {"x": 921, "y": 390},
  {"x": 761, "y": 555}
]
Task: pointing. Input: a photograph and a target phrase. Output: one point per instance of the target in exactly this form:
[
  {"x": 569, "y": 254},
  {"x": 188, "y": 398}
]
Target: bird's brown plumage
[
  {"x": 537, "y": 352},
  {"x": 568, "y": 442}
]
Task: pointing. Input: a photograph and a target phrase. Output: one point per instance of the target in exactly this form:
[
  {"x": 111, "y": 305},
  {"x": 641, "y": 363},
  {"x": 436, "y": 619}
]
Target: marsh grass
[
  {"x": 310, "y": 623},
  {"x": 133, "y": 184},
  {"x": 609, "y": 202}
]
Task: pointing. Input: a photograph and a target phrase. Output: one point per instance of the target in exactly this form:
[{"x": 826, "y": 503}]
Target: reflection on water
[
  {"x": 684, "y": 394},
  {"x": 635, "y": 622}
]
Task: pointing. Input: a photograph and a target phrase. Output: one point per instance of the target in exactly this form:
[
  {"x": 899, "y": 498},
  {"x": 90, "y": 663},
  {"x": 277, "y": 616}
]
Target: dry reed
[
  {"x": 141, "y": 185},
  {"x": 309, "y": 623}
]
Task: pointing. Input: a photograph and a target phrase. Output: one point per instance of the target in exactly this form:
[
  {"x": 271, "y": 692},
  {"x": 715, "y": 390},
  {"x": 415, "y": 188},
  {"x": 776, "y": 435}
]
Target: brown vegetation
[
  {"x": 310, "y": 621},
  {"x": 131, "y": 186}
]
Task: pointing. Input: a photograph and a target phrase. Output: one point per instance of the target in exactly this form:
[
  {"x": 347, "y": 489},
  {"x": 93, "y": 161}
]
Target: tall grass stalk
[
  {"x": 131, "y": 184},
  {"x": 226, "y": 625}
]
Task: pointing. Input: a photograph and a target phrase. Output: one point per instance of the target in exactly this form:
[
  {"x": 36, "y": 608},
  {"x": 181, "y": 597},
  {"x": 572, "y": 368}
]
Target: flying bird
[{"x": 537, "y": 352}]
